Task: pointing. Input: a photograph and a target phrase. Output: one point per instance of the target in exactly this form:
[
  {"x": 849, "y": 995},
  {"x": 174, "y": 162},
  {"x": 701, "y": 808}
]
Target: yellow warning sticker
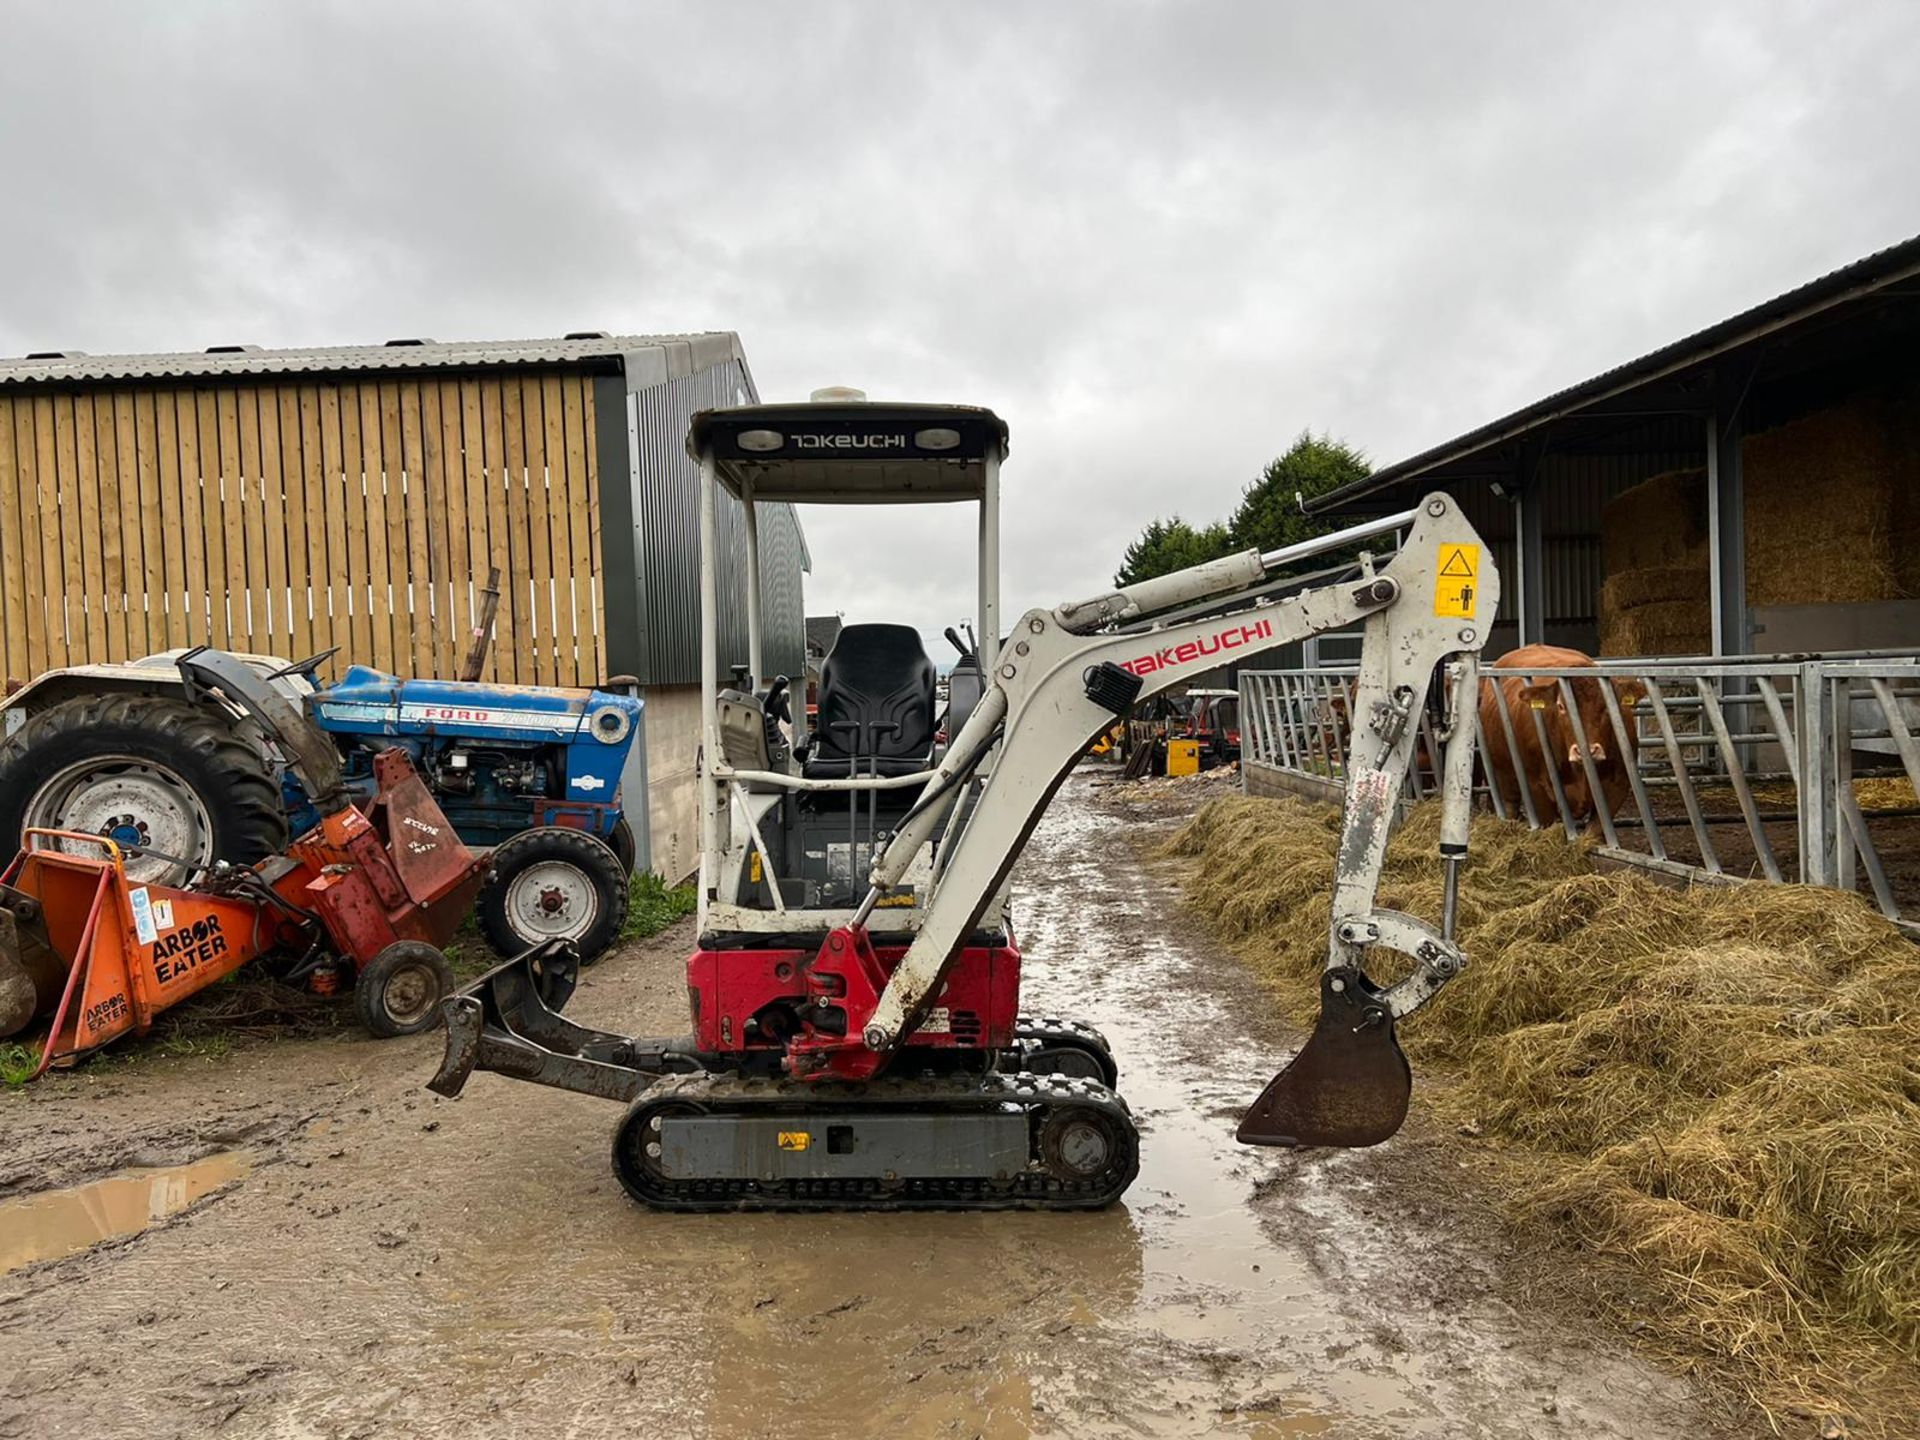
[
  {"x": 1456, "y": 590},
  {"x": 794, "y": 1140}
]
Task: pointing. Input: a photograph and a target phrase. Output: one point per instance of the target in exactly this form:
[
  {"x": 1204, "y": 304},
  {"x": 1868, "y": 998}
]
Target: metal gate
[{"x": 1768, "y": 768}]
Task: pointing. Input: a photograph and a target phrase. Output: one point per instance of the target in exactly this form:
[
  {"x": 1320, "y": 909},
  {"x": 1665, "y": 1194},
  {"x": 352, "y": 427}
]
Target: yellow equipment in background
[{"x": 1183, "y": 757}]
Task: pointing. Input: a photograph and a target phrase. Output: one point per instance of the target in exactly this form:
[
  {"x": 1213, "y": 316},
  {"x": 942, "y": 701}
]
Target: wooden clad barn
[
  {"x": 293, "y": 501},
  {"x": 289, "y": 501}
]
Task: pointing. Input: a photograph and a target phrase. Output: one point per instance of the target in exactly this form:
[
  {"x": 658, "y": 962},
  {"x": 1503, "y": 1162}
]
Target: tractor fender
[{"x": 152, "y": 675}]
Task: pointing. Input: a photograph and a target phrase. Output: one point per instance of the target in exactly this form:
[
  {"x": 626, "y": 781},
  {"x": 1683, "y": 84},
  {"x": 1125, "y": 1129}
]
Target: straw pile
[
  {"x": 1653, "y": 585},
  {"x": 1655, "y": 597},
  {"x": 1659, "y": 524},
  {"x": 1823, "y": 507},
  {"x": 1661, "y": 627},
  {"x": 1722, "y": 1084},
  {"x": 1902, "y": 409}
]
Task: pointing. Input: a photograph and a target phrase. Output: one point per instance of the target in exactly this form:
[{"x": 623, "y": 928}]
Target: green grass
[
  {"x": 207, "y": 1044},
  {"x": 17, "y": 1064},
  {"x": 195, "y": 1037},
  {"x": 653, "y": 905}
]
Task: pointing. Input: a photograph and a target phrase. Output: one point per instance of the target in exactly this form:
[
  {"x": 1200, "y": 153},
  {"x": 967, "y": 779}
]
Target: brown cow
[{"x": 1524, "y": 698}]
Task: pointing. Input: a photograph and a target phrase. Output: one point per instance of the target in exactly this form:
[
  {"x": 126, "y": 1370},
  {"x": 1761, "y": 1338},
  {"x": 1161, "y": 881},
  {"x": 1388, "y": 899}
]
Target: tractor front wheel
[
  {"x": 399, "y": 991},
  {"x": 551, "y": 883}
]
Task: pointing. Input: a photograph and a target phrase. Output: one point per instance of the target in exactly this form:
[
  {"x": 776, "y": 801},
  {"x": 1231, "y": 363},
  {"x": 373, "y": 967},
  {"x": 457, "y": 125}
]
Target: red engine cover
[{"x": 777, "y": 991}]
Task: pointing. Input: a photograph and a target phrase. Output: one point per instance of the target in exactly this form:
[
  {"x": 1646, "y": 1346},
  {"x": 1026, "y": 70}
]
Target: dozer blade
[
  {"x": 507, "y": 1021},
  {"x": 1348, "y": 1085}
]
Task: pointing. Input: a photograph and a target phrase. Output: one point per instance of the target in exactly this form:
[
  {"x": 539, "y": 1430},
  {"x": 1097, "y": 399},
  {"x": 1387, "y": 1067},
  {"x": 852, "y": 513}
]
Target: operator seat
[{"x": 876, "y": 705}]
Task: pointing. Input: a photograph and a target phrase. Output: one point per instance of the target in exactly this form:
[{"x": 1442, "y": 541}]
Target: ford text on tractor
[{"x": 858, "y": 1036}]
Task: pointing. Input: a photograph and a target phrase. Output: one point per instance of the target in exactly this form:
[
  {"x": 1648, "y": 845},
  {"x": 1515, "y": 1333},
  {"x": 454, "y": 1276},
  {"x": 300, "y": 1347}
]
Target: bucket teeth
[{"x": 1349, "y": 1084}]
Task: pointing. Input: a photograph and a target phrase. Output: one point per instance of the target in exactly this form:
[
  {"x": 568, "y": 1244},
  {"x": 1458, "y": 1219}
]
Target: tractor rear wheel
[
  {"x": 620, "y": 839},
  {"x": 551, "y": 883},
  {"x": 144, "y": 770}
]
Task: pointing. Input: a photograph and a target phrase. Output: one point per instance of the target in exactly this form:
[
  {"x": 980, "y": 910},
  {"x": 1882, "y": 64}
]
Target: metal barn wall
[
  {"x": 286, "y": 516},
  {"x": 666, "y": 522},
  {"x": 1574, "y": 487},
  {"x": 783, "y": 618}
]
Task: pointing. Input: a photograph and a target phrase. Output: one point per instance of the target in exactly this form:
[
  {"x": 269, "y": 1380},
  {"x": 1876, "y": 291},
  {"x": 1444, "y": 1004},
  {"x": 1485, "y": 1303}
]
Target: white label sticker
[
  {"x": 142, "y": 915},
  {"x": 163, "y": 914},
  {"x": 939, "y": 1021}
]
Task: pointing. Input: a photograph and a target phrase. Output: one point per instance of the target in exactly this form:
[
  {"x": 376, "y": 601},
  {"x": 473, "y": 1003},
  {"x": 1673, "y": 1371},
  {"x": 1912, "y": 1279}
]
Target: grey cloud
[{"x": 1160, "y": 238}]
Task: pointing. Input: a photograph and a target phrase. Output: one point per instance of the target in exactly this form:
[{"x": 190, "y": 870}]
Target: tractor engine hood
[{"x": 371, "y": 702}]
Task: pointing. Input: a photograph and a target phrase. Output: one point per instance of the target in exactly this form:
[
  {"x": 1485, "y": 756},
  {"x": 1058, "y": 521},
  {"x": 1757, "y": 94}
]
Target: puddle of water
[
  {"x": 1212, "y": 1279},
  {"x": 65, "y": 1222}
]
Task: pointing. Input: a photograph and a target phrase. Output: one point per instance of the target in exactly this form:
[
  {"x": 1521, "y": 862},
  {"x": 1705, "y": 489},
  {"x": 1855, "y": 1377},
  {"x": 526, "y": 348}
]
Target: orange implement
[
  {"x": 132, "y": 950},
  {"x": 118, "y": 952}
]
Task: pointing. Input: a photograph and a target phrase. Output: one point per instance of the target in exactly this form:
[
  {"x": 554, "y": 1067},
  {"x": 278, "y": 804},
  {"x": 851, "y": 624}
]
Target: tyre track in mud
[{"x": 397, "y": 1264}]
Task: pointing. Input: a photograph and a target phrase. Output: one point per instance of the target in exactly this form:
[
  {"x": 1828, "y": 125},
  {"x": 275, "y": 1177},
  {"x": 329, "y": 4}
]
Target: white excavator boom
[{"x": 1059, "y": 683}]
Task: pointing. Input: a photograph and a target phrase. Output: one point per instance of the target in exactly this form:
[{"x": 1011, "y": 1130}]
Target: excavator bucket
[{"x": 1348, "y": 1085}]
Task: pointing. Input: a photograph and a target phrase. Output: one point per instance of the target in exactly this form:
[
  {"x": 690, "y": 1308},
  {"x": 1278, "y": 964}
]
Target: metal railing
[{"x": 1769, "y": 768}]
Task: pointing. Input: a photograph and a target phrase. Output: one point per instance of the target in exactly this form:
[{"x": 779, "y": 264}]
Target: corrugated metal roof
[
  {"x": 650, "y": 358},
  {"x": 822, "y": 631},
  {"x": 1858, "y": 280}
]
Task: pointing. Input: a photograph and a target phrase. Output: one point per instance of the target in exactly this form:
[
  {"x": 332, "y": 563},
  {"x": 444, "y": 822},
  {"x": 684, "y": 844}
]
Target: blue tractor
[{"x": 185, "y": 778}]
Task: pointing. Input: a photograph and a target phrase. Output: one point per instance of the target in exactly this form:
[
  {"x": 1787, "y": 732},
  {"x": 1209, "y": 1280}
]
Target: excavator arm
[{"x": 1060, "y": 681}]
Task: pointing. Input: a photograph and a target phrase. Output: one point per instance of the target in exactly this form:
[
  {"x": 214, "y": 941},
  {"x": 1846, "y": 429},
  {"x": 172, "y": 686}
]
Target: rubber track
[
  {"x": 1032, "y": 1189},
  {"x": 1032, "y": 1035}
]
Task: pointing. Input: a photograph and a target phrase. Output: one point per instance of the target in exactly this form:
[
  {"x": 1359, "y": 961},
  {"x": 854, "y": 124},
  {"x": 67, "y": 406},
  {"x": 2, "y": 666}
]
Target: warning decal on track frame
[
  {"x": 794, "y": 1139},
  {"x": 1456, "y": 588}
]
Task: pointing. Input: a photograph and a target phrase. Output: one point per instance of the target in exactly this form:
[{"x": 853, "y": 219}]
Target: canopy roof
[{"x": 851, "y": 452}]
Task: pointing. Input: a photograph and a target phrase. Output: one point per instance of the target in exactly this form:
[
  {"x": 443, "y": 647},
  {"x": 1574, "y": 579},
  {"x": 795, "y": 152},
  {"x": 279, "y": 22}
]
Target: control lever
[{"x": 777, "y": 702}]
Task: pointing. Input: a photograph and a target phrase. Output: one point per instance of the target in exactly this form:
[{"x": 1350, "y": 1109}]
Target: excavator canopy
[{"x": 853, "y": 453}]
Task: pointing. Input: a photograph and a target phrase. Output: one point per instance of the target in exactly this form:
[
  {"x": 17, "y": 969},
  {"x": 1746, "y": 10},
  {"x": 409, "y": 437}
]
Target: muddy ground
[{"x": 373, "y": 1260}]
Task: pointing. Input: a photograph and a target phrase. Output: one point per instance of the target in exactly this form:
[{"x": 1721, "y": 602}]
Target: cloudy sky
[{"x": 1161, "y": 239}]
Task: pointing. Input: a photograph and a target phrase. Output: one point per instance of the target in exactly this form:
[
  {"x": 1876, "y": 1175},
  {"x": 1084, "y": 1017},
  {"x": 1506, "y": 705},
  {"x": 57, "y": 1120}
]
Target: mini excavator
[{"x": 858, "y": 1039}]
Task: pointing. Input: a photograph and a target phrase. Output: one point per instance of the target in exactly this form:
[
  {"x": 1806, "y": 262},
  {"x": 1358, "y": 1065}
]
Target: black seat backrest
[{"x": 876, "y": 700}]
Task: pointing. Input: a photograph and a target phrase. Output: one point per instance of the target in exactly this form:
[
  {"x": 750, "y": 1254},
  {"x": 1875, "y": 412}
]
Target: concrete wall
[
  {"x": 1271, "y": 782},
  {"x": 673, "y": 741}
]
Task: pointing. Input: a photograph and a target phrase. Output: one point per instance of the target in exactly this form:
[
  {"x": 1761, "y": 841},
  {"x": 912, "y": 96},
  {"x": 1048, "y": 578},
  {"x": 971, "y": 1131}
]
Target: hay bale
[
  {"x": 1902, "y": 411},
  {"x": 1664, "y": 627},
  {"x": 1820, "y": 507},
  {"x": 1629, "y": 589},
  {"x": 1719, "y": 1084},
  {"x": 1660, "y": 523}
]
